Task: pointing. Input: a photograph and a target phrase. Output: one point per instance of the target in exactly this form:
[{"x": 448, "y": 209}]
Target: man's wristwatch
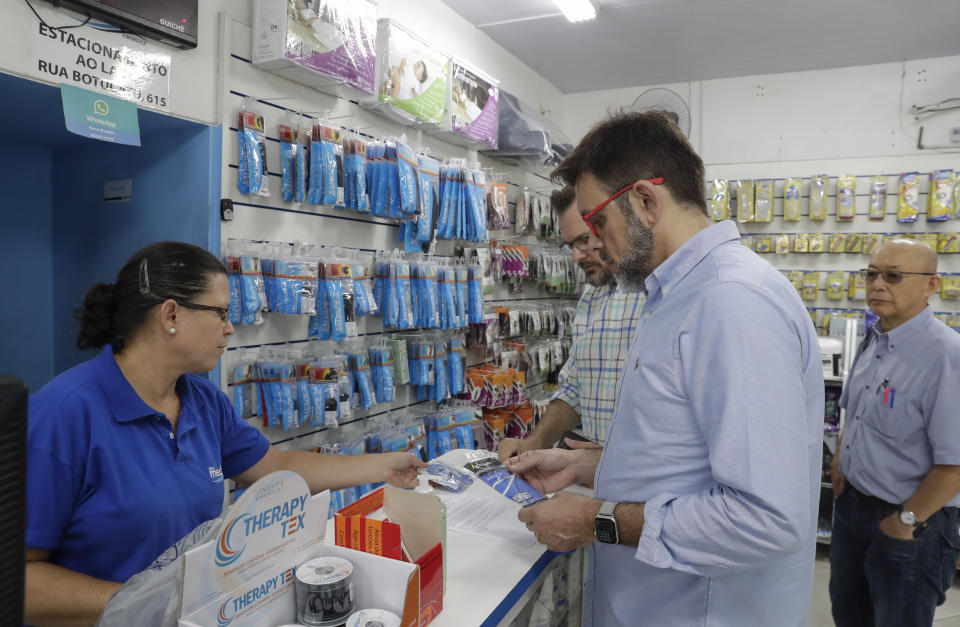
[
  {"x": 909, "y": 518},
  {"x": 605, "y": 525}
]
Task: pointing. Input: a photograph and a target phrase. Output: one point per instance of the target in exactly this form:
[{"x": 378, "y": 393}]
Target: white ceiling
[{"x": 652, "y": 42}]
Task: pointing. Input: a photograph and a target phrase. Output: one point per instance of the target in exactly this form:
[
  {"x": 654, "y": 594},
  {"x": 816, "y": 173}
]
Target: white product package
[
  {"x": 472, "y": 116},
  {"x": 329, "y": 45},
  {"x": 412, "y": 77}
]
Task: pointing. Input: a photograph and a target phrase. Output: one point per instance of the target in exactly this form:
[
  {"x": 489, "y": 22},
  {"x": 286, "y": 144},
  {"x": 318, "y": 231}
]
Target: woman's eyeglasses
[
  {"x": 223, "y": 312},
  {"x": 889, "y": 276}
]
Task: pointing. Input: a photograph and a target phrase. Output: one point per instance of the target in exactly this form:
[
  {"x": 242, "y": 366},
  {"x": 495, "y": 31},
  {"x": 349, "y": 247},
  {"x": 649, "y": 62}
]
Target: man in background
[
  {"x": 602, "y": 330},
  {"x": 896, "y": 475}
]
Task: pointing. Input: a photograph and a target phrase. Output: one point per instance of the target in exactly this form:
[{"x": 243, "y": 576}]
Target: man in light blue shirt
[
  {"x": 896, "y": 478},
  {"x": 707, "y": 490}
]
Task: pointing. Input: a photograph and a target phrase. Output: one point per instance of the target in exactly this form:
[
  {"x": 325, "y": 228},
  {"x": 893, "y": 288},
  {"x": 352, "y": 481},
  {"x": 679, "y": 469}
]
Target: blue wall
[
  {"x": 171, "y": 201},
  {"x": 58, "y": 237},
  {"x": 26, "y": 319}
]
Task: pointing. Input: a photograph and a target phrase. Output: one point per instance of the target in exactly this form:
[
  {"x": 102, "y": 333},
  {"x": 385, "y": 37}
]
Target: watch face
[
  {"x": 908, "y": 518},
  {"x": 606, "y": 530}
]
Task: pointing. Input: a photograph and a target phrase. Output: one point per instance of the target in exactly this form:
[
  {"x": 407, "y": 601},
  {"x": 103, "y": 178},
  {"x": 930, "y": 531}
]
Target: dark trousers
[{"x": 876, "y": 580}]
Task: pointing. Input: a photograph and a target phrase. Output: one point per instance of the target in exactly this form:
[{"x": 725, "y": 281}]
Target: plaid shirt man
[{"x": 603, "y": 329}]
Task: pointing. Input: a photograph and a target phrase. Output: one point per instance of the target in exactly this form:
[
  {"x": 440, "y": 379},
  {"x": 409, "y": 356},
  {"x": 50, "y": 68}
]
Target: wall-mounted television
[{"x": 172, "y": 22}]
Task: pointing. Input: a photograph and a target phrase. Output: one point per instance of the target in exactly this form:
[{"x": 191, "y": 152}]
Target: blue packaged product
[
  {"x": 407, "y": 178},
  {"x": 493, "y": 473},
  {"x": 236, "y": 289},
  {"x": 474, "y": 295},
  {"x": 429, "y": 192},
  {"x": 315, "y": 189},
  {"x": 460, "y": 272},
  {"x": 448, "y": 477}
]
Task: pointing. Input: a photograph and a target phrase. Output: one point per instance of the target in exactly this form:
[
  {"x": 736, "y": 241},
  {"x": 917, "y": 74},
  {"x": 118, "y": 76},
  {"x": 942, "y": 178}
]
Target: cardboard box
[
  {"x": 415, "y": 525},
  {"x": 246, "y": 576}
]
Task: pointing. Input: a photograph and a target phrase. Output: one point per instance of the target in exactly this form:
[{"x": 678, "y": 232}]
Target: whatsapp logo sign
[{"x": 101, "y": 108}]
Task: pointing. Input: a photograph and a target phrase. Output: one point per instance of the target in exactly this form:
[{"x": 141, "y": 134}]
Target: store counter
[{"x": 490, "y": 582}]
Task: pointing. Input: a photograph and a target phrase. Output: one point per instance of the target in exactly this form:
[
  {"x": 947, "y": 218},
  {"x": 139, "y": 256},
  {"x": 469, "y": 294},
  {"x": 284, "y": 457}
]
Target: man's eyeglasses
[
  {"x": 223, "y": 312},
  {"x": 582, "y": 244},
  {"x": 889, "y": 276},
  {"x": 587, "y": 217}
]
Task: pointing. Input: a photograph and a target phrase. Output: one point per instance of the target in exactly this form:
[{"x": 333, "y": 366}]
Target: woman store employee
[{"x": 127, "y": 452}]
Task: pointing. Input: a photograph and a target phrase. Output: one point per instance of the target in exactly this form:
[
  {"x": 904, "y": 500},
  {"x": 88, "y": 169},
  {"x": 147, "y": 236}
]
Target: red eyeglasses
[{"x": 587, "y": 216}]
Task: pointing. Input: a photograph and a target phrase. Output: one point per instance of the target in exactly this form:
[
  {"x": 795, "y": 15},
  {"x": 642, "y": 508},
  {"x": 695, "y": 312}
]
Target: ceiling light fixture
[{"x": 577, "y": 10}]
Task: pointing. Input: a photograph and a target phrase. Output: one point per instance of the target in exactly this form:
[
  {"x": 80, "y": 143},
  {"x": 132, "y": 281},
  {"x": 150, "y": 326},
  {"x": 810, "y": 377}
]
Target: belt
[{"x": 869, "y": 500}]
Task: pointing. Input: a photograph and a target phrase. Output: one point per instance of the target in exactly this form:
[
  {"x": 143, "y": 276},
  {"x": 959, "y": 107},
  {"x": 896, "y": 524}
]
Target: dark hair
[
  {"x": 155, "y": 273},
  {"x": 631, "y": 145},
  {"x": 562, "y": 199}
]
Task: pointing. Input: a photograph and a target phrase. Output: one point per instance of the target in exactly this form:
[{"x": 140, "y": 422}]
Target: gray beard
[{"x": 635, "y": 265}]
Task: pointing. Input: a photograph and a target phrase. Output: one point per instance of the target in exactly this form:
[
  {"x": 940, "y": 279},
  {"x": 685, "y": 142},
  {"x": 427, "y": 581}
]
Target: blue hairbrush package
[
  {"x": 252, "y": 169},
  {"x": 290, "y": 152},
  {"x": 493, "y": 473},
  {"x": 236, "y": 290},
  {"x": 429, "y": 301},
  {"x": 429, "y": 187},
  {"x": 360, "y": 370},
  {"x": 253, "y": 296},
  {"x": 460, "y": 273},
  {"x": 365, "y": 302},
  {"x": 474, "y": 294},
  {"x": 392, "y": 173},
  {"x": 455, "y": 358},
  {"x": 407, "y": 178},
  {"x": 381, "y": 367},
  {"x": 466, "y": 419},
  {"x": 401, "y": 270},
  {"x": 440, "y": 388}
]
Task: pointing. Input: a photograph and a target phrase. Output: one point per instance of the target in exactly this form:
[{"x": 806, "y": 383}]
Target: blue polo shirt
[{"x": 109, "y": 485}]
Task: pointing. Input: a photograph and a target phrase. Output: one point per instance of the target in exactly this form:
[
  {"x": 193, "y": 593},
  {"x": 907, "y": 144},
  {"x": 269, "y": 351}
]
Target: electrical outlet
[{"x": 955, "y": 135}]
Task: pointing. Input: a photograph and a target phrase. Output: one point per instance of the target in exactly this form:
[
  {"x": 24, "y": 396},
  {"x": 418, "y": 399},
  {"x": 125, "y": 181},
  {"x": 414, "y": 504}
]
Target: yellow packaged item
[
  {"x": 763, "y": 200},
  {"x": 870, "y": 242},
  {"x": 801, "y": 242},
  {"x": 815, "y": 319},
  {"x": 956, "y": 197},
  {"x": 930, "y": 239},
  {"x": 853, "y": 243},
  {"x": 791, "y": 199},
  {"x": 908, "y": 206},
  {"x": 940, "y": 197},
  {"x": 819, "y": 185},
  {"x": 846, "y": 197},
  {"x": 950, "y": 286},
  {"x": 835, "y": 285},
  {"x": 836, "y": 242},
  {"x": 811, "y": 286},
  {"x": 719, "y": 200},
  {"x": 816, "y": 243},
  {"x": 796, "y": 279},
  {"x": 947, "y": 243},
  {"x": 745, "y": 212},
  {"x": 763, "y": 243},
  {"x": 954, "y": 322},
  {"x": 781, "y": 243},
  {"x": 878, "y": 198},
  {"x": 748, "y": 241},
  {"x": 856, "y": 286}
]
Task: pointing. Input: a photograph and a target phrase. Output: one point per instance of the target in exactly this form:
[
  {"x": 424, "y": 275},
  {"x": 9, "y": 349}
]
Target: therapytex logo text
[
  {"x": 287, "y": 518},
  {"x": 235, "y": 605}
]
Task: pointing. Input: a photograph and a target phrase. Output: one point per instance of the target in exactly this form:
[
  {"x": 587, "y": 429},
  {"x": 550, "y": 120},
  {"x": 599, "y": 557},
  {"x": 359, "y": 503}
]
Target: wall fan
[{"x": 667, "y": 101}]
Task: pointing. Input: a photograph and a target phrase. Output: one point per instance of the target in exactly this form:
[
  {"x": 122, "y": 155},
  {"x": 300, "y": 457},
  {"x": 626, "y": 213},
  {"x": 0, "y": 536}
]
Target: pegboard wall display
[
  {"x": 343, "y": 272},
  {"x": 820, "y": 231}
]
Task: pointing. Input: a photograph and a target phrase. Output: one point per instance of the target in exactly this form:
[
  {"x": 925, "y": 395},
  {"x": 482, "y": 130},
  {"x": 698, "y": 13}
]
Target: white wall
[{"x": 853, "y": 120}]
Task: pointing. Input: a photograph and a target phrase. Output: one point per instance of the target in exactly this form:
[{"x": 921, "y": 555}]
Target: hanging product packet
[
  {"x": 801, "y": 243},
  {"x": 878, "y": 198},
  {"x": 811, "y": 286},
  {"x": 791, "y": 199},
  {"x": 253, "y": 292},
  {"x": 908, "y": 206},
  {"x": 291, "y": 161},
  {"x": 818, "y": 197},
  {"x": 870, "y": 243},
  {"x": 816, "y": 243},
  {"x": 407, "y": 178},
  {"x": 835, "y": 285},
  {"x": 232, "y": 264},
  {"x": 763, "y": 200},
  {"x": 391, "y": 173},
  {"x": 846, "y": 197},
  {"x": 252, "y": 176},
  {"x": 363, "y": 292},
  {"x": 719, "y": 200},
  {"x": 377, "y": 180},
  {"x": 745, "y": 207},
  {"x": 429, "y": 192},
  {"x": 940, "y": 196}
]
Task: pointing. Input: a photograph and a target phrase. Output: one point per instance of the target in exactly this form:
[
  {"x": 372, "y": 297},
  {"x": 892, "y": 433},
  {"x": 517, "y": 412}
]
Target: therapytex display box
[
  {"x": 401, "y": 525},
  {"x": 246, "y": 576}
]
